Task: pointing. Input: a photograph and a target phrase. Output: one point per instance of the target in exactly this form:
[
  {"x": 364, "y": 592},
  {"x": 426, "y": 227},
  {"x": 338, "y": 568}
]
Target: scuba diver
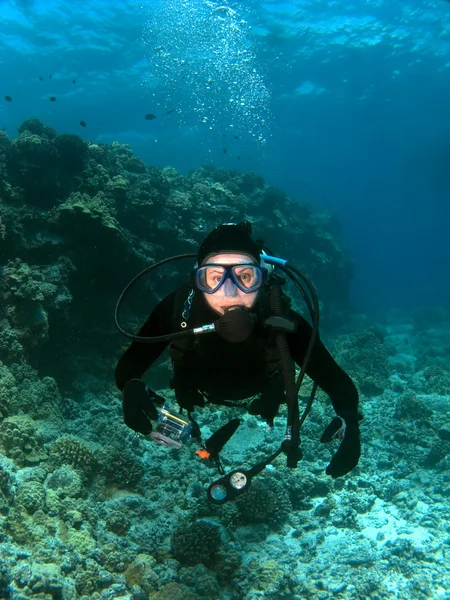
[{"x": 234, "y": 341}]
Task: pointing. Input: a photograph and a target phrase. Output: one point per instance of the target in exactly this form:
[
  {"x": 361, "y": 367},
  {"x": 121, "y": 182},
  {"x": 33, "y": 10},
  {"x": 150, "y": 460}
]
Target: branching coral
[
  {"x": 120, "y": 466},
  {"x": 265, "y": 502},
  {"x": 196, "y": 543},
  {"x": 74, "y": 452}
]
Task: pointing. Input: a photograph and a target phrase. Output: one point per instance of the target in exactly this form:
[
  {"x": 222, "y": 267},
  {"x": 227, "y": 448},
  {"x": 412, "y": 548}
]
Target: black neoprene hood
[{"x": 230, "y": 237}]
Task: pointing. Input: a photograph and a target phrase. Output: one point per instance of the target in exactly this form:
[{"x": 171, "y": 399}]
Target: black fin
[{"x": 218, "y": 439}]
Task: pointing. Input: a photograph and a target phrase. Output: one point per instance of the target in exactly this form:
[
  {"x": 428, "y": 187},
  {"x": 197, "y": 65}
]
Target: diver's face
[{"x": 229, "y": 295}]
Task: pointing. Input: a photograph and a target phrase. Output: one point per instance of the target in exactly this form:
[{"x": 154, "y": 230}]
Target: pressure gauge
[{"x": 238, "y": 480}]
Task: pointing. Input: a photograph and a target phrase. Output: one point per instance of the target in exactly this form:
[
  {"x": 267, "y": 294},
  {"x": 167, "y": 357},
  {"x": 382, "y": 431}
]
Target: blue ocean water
[{"x": 344, "y": 104}]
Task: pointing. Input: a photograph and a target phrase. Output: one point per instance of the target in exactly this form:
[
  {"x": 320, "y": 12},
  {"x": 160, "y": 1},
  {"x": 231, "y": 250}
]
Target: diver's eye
[{"x": 246, "y": 278}]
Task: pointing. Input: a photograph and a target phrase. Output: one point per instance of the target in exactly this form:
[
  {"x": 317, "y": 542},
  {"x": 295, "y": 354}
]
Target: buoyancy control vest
[{"x": 188, "y": 391}]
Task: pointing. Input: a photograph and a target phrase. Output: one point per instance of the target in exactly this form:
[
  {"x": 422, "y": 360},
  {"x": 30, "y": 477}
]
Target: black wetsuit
[{"x": 224, "y": 371}]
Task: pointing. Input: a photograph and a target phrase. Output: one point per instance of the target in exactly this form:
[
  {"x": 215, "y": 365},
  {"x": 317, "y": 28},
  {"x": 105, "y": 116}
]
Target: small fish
[
  {"x": 83, "y": 123},
  {"x": 236, "y": 137},
  {"x": 74, "y": 80},
  {"x": 239, "y": 158},
  {"x": 203, "y": 453},
  {"x": 52, "y": 99},
  {"x": 50, "y": 76},
  {"x": 41, "y": 78},
  {"x": 8, "y": 98},
  {"x": 224, "y": 150},
  {"x": 170, "y": 111},
  {"x": 150, "y": 117}
]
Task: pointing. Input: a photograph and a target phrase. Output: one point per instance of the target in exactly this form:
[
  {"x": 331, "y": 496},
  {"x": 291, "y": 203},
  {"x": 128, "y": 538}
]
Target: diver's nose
[{"x": 229, "y": 289}]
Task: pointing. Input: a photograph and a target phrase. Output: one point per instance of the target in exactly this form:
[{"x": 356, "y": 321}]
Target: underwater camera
[{"x": 172, "y": 429}]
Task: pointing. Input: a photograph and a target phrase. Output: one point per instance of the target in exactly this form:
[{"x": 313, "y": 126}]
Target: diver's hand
[
  {"x": 138, "y": 404},
  {"x": 347, "y": 456}
]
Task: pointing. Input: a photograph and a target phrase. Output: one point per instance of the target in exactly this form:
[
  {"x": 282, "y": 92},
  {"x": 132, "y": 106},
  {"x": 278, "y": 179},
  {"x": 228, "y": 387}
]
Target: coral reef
[
  {"x": 88, "y": 511},
  {"x": 78, "y": 218},
  {"x": 118, "y": 523},
  {"x": 36, "y": 298},
  {"x": 76, "y": 453},
  {"x": 365, "y": 358},
  {"x": 42, "y": 580},
  {"x": 21, "y": 441},
  {"x": 197, "y": 542},
  {"x": 409, "y": 407},
  {"x": 65, "y": 482},
  {"x": 120, "y": 466},
  {"x": 265, "y": 502}
]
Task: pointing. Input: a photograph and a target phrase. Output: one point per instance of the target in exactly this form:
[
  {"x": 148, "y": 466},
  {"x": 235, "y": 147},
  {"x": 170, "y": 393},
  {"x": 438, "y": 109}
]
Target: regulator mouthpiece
[{"x": 236, "y": 325}]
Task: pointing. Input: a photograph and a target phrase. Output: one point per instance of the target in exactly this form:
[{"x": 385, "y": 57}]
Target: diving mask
[{"x": 247, "y": 277}]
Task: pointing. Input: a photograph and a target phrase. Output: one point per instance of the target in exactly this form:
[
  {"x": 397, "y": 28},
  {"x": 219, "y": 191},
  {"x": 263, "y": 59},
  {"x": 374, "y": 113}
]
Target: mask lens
[
  {"x": 209, "y": 279},
  {"x": 247, "y": 277}
]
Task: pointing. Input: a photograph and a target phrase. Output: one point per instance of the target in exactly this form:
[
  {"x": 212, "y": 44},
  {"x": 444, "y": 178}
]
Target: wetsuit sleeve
[
  {"x": 140, "y": 356},
  {"x": 323, "y": 369}
]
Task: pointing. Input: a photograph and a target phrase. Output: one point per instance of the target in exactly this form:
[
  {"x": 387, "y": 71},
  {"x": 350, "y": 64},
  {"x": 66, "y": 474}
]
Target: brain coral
[
  {"x": 65, "y": 482},
  {"x": 21, "y": 440},
  {"x": 30, "y": 496}
]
